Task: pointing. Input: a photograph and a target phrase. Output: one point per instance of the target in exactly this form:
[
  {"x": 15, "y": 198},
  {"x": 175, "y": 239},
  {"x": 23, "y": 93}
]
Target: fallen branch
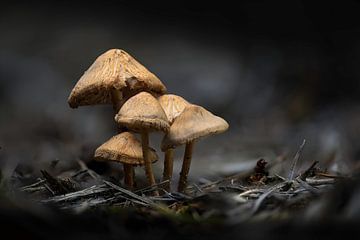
[
  {"x": 87, "y": 192},
  {"x": 129, "y": 193},
  {"x": 313, "y": 181}
]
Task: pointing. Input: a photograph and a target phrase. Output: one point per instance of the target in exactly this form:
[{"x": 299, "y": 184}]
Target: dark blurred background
[{"x": 277, "y": 71}]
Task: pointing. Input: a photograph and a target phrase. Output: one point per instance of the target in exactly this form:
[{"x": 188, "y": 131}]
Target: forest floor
[{"x": 253, "y": 202}]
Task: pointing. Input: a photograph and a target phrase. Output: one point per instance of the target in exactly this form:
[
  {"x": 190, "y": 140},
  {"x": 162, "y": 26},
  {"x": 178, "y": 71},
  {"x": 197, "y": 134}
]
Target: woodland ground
[{"x": 255, "y": 203}]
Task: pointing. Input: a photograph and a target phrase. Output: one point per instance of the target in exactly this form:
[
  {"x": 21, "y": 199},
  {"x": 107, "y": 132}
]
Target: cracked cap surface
[
  {"x": 113, "y": 70},
  {"x": 173, "y": 105}
]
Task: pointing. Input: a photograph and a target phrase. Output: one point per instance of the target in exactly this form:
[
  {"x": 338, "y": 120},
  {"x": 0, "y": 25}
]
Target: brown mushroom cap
[
  {"x": 124, "y": 148},
  {"x": 193, "y": 123},
  {"x": 173, "y": 105},
  {"x": 115, "y": 69},
  {"x": 143, "y": 111}
]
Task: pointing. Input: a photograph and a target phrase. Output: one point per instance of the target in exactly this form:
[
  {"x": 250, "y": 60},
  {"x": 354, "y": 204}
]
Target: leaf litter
[{"x": 245, "y": 196}]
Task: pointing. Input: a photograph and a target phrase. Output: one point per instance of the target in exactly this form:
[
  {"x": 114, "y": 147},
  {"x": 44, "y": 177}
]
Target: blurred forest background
[{"x": 277, "y": 71}]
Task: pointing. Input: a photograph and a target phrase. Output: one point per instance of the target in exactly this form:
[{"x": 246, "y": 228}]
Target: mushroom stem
[
  {"x": 168, "y": 167},
  {"x": 185, "y": 166},
  {"x": 116, "y": 99},
  {"x": 147, "y": 160},
  {"x": 129, "y": 175},
  {"x": 117, "y": 102}
]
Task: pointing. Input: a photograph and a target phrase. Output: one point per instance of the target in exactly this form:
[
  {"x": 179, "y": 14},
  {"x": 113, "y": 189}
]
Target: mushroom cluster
[{"x": 142, "y": 106}]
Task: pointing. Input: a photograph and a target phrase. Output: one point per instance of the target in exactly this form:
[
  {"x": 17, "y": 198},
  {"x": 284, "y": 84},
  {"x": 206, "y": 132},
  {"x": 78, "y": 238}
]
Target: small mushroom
[
  {"x": 111, "y": 79},
  {"x": 193, "y": 123},
  {"x": 126, "y": 149},
  {"x": 173, "y": 106},
  {"x": 143, "y": 113}
]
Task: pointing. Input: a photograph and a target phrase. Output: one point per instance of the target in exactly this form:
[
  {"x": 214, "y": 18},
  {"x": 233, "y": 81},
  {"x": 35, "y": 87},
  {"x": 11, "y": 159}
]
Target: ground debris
[
  {"x": 56, "y": 185},
  {"x": 260, "y": 174},
  {"x": 240, "y": 197}
]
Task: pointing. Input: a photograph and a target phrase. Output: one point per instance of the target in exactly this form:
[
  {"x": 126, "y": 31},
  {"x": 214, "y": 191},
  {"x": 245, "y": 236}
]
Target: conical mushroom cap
[
  {"x": 193, "y": 123},
  {"x": 173, "y": 105},
  {"x": 143, "y": 111},
  {"x": 115, "y": 69},
  {"x": 124, "y": 148}
]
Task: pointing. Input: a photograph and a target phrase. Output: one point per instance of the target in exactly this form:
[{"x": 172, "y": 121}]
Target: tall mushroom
[
  {"x": 173, "y": 106},
  {"x": 111, "y": 79},
  {"x": 143, "y": 113},
  {"x": 126, "y": 149},
  {"x": 193, "y": 123}
]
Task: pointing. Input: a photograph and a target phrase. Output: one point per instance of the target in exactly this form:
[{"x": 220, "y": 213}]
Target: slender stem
[
  {"x": 129, "y": 175},
  {"x": 185, "y": 167},
  {"x": 147, "y": 160},
  {"x": 116, "y": 99},
  {"x": 168, "y": 167}
]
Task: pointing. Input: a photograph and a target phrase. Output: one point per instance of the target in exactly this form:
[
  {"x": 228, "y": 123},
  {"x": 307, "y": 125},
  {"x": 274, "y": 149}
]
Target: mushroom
[
  {"x": 143, "y": 113},
  {"x": 112, "y": 79},
  {"x": 193, "y": 123},
  {"x": 173, "y": 106},
  {"x": 126, "y": 149}
]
